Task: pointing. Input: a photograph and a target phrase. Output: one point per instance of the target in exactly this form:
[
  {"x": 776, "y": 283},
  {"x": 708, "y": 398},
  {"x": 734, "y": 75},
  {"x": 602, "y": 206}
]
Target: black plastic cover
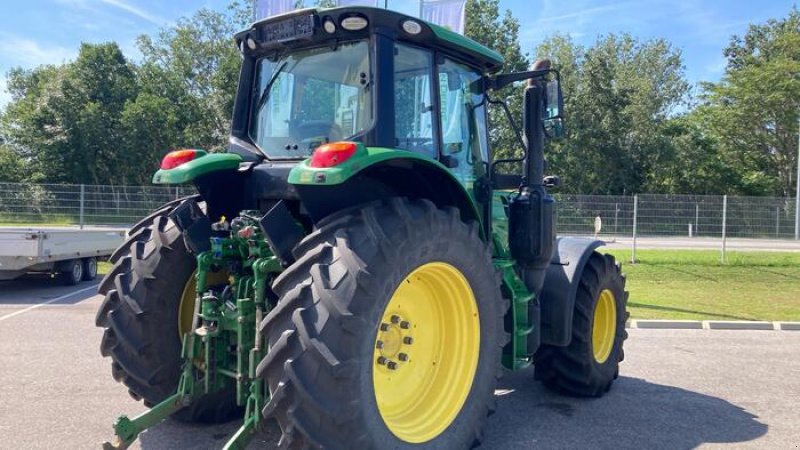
[
  {"x": 195, "y": 225},
  {"x": 282, "y": 231}
]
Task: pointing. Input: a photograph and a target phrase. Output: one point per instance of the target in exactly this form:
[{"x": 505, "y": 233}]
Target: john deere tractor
[{"x": 357, "y": 266}]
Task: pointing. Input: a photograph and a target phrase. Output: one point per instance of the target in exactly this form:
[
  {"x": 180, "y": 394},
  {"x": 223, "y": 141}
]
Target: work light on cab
[
  {"x": 176, "y": 158},
  {"x": 331, "y": 155}
]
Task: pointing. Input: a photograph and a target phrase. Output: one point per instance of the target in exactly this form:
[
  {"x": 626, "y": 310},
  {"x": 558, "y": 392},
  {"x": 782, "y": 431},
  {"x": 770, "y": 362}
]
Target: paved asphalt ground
[{"x": 678, "y": 389}]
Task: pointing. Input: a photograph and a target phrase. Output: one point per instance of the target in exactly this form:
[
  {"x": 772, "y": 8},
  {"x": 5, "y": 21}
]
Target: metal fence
[
  {"x": 62, "y": 204},
  {"x": 623, "y": 216},
  {"x": 678, "y": 215}
]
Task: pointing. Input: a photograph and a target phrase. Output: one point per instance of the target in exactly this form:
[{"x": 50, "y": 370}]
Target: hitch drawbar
[
  {"x": 127, "y": 430},
  {"x": 223, "y": 346}
]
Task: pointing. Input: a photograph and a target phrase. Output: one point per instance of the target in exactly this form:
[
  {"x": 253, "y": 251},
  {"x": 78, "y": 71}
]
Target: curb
[
  {"x": 670, "y": 324},
  {"x": 712, "y": 325},
  {"x": 739, "y": 325}
]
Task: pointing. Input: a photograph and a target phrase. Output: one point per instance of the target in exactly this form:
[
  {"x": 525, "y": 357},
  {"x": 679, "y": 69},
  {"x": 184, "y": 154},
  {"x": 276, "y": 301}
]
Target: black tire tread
[
  {"x": 139, "y": 315},
  {"x": 571, "y": 369},
  {"x": 301, "y": 368}
]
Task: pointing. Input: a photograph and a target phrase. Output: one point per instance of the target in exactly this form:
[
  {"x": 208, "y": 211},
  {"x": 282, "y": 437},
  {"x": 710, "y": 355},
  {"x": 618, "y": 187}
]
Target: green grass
[
  {"x": 103, "y": 267},
  {"x": 37, "y": 221},
  {"x": 693, "y": 284}
]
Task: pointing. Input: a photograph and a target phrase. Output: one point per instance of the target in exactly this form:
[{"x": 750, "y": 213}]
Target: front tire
[
  {"x": 588, "y": 366},
  {"x": 140, "y": 316},
  {"x": 341, "y": 369}
]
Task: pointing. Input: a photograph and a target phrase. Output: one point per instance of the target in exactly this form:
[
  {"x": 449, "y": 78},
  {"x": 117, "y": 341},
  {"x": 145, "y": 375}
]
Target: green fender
[
  {"x": 201, "y": 165},
  {"x": 375, "y": 173}
]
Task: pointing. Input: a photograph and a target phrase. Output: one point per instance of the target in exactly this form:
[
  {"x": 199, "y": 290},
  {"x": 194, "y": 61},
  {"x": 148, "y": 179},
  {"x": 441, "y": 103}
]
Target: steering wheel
[{"x": 303, "y": 131}]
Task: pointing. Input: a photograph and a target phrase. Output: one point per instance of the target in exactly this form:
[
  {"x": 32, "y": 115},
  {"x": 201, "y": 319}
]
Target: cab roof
[{"x": 387, "y": 21}]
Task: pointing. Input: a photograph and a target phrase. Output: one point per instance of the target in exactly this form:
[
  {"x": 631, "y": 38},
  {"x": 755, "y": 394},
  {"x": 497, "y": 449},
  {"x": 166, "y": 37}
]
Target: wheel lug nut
[
  {"x": 379, "y": 345},
  {"x": 402, "y": 357},
  {"x": 384, "y": 327},
  {"x": 382, "y": 360},
  {"x": 404, "y": 325},
  {"x": 395, "y": 318},
  {"x": 391, "y": 365},
  {"x": 408, "y": 340}
]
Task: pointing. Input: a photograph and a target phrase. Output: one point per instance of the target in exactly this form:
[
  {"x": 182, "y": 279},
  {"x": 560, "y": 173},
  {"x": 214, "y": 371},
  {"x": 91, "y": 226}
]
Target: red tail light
[
  {"x": 333, "y": 154},
  {"x": 176, "y": 158}
]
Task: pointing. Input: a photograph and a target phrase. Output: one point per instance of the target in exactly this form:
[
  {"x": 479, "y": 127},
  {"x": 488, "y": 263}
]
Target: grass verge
[
  {"x": 103, "y": 267},
  {"x": 693, "y": 284}
]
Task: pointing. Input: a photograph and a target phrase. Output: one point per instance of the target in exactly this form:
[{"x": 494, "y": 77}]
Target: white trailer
[{"x": 69, "y": 253}]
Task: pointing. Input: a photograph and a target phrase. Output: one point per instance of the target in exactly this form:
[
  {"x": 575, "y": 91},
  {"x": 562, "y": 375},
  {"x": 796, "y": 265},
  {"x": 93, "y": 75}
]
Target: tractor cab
[
  {"x": 365, "y": 75},
  {"x": 381, "y": 83}
]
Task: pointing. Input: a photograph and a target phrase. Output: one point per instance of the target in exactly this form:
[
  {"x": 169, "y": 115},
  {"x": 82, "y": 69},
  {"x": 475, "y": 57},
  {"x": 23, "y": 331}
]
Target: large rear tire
[
  {"x": 143, "y": 293},
  {"x": 388, "y": 332},
  {"x": 590, "y": 363}
]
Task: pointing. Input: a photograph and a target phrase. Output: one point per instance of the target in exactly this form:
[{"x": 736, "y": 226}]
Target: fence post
[
  {"x": 635, "y": 216},
  {"x": 797, "y": 188},
  {"x": 83, "y": 195},
  {"x": 696, "y": 219},
  {"x": 777, "y": 222},
  {"x": 724, "y": 224}
]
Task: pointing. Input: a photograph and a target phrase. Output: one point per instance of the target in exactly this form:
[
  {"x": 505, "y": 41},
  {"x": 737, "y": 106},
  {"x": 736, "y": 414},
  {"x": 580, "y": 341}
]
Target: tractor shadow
[
  {"x": 634, "y": 414},
  {"x": 34, "y": 288},
  {"x": 172, "y": 434}
]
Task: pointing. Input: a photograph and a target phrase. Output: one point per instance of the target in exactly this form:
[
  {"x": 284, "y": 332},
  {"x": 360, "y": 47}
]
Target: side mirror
[{"x": 554, "y": 110}]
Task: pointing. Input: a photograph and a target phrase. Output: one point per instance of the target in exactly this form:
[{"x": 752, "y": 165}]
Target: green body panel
[
  {"x": 517, "y": 355},
  {"x": 184, "y": 173},
  {"x": 363, "y": 158}
]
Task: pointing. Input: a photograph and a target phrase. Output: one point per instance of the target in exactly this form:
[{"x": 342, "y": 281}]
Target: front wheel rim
[
  {"x": 604, "y": 328},
  {"x": 426, "y": 352}
]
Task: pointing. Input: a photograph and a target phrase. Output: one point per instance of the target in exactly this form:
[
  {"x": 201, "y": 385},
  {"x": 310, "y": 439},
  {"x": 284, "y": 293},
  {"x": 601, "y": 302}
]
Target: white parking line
[{"x": 53, "y": 300}]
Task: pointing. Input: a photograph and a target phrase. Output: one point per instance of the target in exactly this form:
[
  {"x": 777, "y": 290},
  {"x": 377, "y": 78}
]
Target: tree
[
  {"x": 66, "y": 119},
  {"x": 197, "y": 61},
  {"x": 753, "y": 110},
  {"x": 619, "y": 96},
  {"x": 13, "y": 168}
]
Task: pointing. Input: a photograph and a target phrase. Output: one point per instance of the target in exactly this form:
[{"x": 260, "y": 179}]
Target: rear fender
[
  {"x": 561, "y": 285},
  {"x": 379, "y": 174}
]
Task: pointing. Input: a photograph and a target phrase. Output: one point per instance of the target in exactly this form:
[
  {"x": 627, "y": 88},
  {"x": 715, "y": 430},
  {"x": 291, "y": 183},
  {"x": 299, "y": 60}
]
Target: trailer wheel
[
  {"x": 89, "y": 269},
  {"x": 140, "y": 314},
  {"x": 388, "y": 332},
  {"x": 72, "y": 272},
  {"x": 590, "y": 363}
]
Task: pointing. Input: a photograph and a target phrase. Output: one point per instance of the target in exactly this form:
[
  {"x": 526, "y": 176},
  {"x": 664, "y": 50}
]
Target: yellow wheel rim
[
  {"x": 605, "y": 325},
  {"x": 186, "y": 306},
  {"x": 426, "y": 352}
]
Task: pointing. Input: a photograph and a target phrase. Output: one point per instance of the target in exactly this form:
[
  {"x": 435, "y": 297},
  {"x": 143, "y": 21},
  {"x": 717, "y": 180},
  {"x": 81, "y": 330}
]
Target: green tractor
[{"x": 357, "y": 266}]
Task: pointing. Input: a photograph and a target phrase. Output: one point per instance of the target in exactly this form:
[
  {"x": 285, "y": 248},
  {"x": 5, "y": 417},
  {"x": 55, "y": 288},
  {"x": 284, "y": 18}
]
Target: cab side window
[
  {"x": 414, "y": 120},
  {"x": 463, "y": 116}
]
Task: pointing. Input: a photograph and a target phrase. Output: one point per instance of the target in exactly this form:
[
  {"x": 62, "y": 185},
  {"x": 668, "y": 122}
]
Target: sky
[{"x": 35, "y": 32}]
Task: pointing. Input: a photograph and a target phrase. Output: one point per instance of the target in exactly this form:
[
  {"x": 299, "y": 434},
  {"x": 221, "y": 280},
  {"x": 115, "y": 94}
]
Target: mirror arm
[{"x": 503, "y": 80}]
